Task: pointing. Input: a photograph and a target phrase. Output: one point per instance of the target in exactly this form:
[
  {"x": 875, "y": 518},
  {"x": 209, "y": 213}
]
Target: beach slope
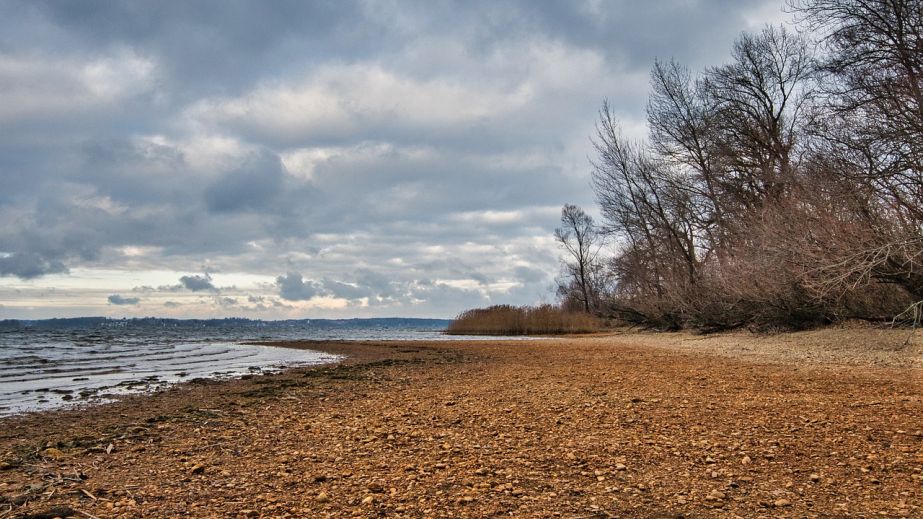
[{"x": 622, "y": 425}]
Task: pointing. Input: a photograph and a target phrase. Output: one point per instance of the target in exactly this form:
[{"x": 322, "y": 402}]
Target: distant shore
[{"x": 823, "y": 423}]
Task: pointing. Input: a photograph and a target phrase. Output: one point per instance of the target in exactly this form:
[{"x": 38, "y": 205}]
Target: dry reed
[{"x": 522, "y": 320}]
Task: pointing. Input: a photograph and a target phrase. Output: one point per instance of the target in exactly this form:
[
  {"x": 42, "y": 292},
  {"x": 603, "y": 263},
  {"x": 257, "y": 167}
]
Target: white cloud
[
  {"x": 401, "y": 160},
  {"x": 767, "y": 13},
  {"x": 43, "y": 85},
  {"x": 202, "y": 152},
  {"x": 520, "y": 216},
  {"x": 338, "y": 100}
]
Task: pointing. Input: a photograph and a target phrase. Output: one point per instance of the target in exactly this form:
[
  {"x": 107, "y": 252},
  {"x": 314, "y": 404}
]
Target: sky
[{"x": 294, "y": 159}]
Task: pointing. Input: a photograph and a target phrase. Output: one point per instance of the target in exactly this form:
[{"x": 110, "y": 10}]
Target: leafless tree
[
  {"x": 781, "y": 188},
  {"x": 651, "y": 211},
  {"x": 683, "y": 134},
  {"x": 760, "y": 101},
  {"x": 872, "y": 135},
  {"x": 579, "y": 236},
  {"x": 874, "y": 82}
]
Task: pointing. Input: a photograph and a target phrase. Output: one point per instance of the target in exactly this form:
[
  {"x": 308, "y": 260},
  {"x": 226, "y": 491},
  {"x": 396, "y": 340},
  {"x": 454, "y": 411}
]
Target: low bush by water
[{"x": 522, "y": 320}]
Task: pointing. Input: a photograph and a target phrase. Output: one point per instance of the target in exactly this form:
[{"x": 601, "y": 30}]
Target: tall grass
[{"x": 522, "y": 320}]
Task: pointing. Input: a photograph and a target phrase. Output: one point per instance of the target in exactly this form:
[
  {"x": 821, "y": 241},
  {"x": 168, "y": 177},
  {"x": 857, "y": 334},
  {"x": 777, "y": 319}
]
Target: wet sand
[{"x": 816, "y": 424}]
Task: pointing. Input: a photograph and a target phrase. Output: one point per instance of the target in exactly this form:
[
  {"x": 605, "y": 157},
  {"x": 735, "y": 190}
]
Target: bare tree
[
  {"x": 872, "y": 135},
  {"x": 683, "y": 134},
  {"x": 651, "y": 212},
  {"x": 784, "y": 187},
  {"x": 759, "y": 102},
  {"x": 582, "y": 241},
  {"x": 874, "y": 66}
]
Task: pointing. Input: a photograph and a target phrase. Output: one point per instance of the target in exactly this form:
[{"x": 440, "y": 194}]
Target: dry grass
[{"x": 522, "y": 320}]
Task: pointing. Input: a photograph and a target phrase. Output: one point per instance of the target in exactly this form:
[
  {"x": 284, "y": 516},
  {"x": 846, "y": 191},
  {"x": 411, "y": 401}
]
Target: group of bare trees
[{"x": 783, "y": 188}]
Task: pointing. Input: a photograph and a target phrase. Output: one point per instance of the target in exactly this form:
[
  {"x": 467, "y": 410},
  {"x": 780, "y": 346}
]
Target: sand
[{"x": 817, "y": 424}]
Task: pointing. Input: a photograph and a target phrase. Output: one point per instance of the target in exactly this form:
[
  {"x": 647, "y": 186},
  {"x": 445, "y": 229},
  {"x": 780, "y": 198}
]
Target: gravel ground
[
  {"x": 814, "y": 424},
  {"x": 843, "y": 346}
]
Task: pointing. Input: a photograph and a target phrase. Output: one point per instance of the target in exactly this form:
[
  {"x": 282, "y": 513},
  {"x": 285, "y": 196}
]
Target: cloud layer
[{"x": 337, "y": 159}]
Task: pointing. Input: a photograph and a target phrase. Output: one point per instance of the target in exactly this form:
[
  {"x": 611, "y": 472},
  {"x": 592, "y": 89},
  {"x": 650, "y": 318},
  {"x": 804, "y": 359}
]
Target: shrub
[{"x": 522, "y": 320}]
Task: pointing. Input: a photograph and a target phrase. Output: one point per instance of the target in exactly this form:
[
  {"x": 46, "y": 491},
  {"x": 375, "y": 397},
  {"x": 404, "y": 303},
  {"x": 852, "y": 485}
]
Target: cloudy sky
[{"x": 313, "y": 159}]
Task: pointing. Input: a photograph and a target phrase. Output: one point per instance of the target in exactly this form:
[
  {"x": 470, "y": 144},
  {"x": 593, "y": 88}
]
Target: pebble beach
[{"x": 813, "y": 424}]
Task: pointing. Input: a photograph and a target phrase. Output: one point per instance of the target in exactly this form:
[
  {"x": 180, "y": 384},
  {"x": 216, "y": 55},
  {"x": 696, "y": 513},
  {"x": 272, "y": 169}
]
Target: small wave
[{"x": 50, "y": 372}]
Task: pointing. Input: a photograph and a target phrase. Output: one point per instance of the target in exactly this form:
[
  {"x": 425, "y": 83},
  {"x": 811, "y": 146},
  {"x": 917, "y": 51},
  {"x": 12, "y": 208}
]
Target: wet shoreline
[{"x": 69, "y": 374}]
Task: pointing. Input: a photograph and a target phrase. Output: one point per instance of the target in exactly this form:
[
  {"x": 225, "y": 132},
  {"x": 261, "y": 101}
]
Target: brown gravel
[{"x": 624, "y": 425}]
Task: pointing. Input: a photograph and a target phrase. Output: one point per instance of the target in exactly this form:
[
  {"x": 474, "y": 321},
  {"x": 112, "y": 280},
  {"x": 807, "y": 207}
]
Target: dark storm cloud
[
  {"x": 211, "y": 45},
  {"x": 530, "y": 275},
  {"x": 116, "y": 299},
  {"x": 253, "y": 186},
  {"x": 292, "y": 287},
  {"x": 214, "y": 39},
  {"x": 413, "y": 155},
  {"x": 197, "y": 283},
  {"x": 28, "y": 265},
  {"x": 345, "y": 290}
]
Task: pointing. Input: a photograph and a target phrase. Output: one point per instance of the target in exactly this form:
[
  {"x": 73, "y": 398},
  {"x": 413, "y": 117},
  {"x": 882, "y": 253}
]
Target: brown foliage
[
  {"x": 522, "y": 320},
  {"x": 783, "y": 189}
]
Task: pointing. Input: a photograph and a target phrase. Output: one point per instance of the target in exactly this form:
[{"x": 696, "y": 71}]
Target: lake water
[{"x": 44, "y": 366}]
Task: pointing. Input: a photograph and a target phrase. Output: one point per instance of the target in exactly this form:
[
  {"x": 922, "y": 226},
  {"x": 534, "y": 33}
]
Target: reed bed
[{"x": 522, "y": 320}]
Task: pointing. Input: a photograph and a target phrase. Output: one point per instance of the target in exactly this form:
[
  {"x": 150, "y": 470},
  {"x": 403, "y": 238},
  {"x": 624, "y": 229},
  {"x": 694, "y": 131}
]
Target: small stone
[
  {"x": 779, "y": 503},
  {"x": 322, "y": 498},
  {"x": 197, "y": 469},
  {"x": 710, "y": 460},
  {"x": 815, "y": 478},
  {"x": 620, "y": 467},
  {"x": 368, "y": 500},
  {"x": 53, "y": 453},
  {"x": 58, "y": 511},
  {"x": 745, "y": 460}
]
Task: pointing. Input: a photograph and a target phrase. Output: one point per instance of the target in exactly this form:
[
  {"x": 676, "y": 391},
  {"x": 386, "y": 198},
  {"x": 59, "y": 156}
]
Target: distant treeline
[
  {"x": 782, "y": 189},
  {"x": 522, "y": 320},
  {"x": 228, "y": 322}
]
